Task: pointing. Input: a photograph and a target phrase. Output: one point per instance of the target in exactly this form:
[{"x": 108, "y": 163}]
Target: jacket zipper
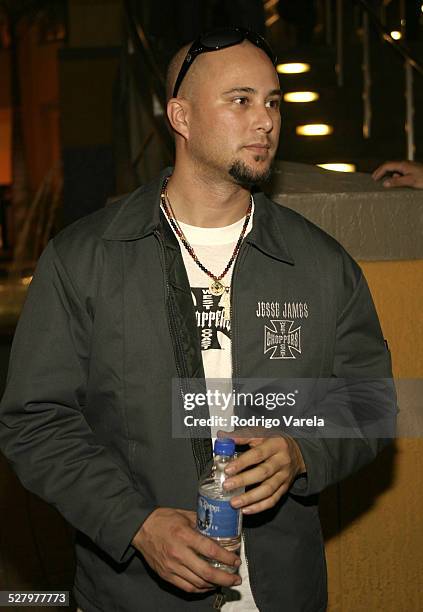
[
  {"x": 181, "y": 375},
  {"x": 219, "y": 598},
  {"x": 163, "y": 257},
  {"x": 234, "y": 370}
]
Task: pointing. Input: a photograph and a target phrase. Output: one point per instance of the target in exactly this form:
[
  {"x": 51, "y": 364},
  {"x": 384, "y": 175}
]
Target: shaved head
[
  {"x": 188, "y": 84},
  {"x": 196, "y": 74},
  {"x": 226, "y": 118}
]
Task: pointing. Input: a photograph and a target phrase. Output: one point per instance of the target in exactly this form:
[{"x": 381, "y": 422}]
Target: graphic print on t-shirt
[{"x": 215, "y": 330}]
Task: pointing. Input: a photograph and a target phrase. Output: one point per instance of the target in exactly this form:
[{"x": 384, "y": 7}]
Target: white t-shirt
[{"x": 214, "y": 247}]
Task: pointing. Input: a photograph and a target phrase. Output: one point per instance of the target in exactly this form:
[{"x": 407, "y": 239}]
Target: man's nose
[{"x": 263, "y": 119}]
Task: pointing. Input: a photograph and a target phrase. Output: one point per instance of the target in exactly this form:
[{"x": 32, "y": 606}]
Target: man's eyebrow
[{"x": 251, "y": 90}]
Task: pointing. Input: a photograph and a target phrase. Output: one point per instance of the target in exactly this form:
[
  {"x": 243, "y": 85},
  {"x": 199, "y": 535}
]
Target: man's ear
[{"x": 177, "y": 113}]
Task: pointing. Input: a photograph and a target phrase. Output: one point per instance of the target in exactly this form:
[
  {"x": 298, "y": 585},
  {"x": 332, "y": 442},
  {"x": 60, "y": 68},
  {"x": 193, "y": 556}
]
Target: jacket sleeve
[
  {"x": 43, "y": 432},
  {"x": 360, "y": 353}
]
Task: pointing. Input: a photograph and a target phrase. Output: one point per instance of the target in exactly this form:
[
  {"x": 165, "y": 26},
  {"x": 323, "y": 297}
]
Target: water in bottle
[{"x": 215, "y": 516}]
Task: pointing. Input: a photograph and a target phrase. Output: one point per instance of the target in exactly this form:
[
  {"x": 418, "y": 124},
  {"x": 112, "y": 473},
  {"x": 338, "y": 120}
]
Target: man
[{"x": 179, "y": 281}]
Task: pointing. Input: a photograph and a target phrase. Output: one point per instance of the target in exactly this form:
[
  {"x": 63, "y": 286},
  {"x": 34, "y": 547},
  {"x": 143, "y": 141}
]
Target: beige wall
[{"x": 373, "y": 522}]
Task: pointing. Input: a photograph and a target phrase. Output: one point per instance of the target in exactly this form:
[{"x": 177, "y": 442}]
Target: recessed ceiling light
[
  {"x": 338, "y": 167},
  {"x": 314, "y": 129},
  {"x": 292, "y": 68},
  {"x": 301, "y": 96}
]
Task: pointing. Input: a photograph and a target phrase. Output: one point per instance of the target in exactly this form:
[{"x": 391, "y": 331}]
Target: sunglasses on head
[{"x": 220, "y": 38}]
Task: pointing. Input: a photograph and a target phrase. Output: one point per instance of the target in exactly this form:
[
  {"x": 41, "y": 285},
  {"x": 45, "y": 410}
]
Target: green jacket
[{"x": 85, "y": 420}]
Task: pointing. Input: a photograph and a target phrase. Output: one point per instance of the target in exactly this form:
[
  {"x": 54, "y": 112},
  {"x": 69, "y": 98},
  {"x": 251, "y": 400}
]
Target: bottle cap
[{"x": 224, "y": 446}]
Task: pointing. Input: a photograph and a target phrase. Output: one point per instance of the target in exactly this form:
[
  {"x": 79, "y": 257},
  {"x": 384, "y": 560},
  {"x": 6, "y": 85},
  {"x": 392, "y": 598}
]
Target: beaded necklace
[{"x": 216, "y": 287}]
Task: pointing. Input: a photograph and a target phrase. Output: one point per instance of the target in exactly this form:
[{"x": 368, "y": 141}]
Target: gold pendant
[{"x": 216, "y": 288}]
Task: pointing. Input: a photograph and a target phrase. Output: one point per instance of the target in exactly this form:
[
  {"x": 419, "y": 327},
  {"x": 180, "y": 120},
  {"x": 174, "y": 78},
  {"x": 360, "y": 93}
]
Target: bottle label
[{"x": 216, "y": 518}]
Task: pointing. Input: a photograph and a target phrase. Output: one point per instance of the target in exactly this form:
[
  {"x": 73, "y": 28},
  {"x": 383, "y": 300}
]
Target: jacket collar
[
  {"x": 267, "y": 233},
  {"x": 139, "y": 213},
  {"x": 139, "y": 216}
]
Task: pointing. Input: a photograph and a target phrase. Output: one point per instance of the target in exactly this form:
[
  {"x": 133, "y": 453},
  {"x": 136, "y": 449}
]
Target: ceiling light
[
  {"x": 314, "y": 129},
  {"x": 292, "y": 68},
  {"x": 396, "y": 35},
  {"x": 338, "y": 167},
  {"x": 301, "y": 96}
]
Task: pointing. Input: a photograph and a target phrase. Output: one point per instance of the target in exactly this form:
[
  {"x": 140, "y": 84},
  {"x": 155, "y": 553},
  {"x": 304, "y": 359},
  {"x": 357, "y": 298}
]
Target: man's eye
[
  {"x": 274, "y": 103},
  {"x": 241, "y": 100}
]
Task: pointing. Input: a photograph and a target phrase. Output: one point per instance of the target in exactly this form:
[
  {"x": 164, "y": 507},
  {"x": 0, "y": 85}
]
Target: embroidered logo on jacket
[
  {"x": 282, "y": 340},
  {"x": 286, "y": 310}
]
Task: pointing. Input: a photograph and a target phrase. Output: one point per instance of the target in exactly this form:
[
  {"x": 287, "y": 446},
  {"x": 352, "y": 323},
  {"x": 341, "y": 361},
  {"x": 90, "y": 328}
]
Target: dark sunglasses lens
[
  {"x": 219, "y": 39},
  {"x": 262, "y": 43},
  {"x": 226, "y": 37},
  {"x": 222, "y": 38}
]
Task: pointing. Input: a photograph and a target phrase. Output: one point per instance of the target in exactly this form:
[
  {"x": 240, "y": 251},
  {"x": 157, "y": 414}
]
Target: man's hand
[
  {"x": 274, "y": 463},
  {"x": 404, "y": 174},
  {"x": 171, "y": 545}
]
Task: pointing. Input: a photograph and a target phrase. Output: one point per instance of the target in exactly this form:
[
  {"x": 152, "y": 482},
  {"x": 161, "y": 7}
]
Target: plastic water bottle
[{"x": 215, "y": 516}]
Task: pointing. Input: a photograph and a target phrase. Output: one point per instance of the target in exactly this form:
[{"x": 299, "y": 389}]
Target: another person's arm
[{"x": 400, "y": 174}]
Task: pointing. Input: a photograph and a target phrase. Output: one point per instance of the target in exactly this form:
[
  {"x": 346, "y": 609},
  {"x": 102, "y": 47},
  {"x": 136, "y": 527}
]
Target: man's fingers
[
  {"x": 191, "y": 572},
  {"x": 202, "y": 545},
  {"x": 172, "y": 547},
  {"x": 206, "y": 574},
  {"x": 389, "y": 166},
  {"x": 257, "y": 454},
  {"x": 187, "y": 586},
  {"x": 185, "y": 561},
  {"x": 267, "y": 503},
  {"x": 259, "y": 473},
  {"x": 212, "y": 550},
  {"x": 263, "y": 491},
  {"x": 408, "y": 180}
]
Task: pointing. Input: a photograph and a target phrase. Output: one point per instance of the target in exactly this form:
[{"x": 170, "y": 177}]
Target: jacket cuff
[
  {"x": 116, "y": 534},
  {"x": 316, "y": 477}
]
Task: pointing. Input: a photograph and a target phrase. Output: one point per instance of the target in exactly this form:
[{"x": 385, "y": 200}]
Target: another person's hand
[
  {"x": 404, "y": 174},
  {"x": 273, "y": 462},
  {"x": 171, "y": 545}
]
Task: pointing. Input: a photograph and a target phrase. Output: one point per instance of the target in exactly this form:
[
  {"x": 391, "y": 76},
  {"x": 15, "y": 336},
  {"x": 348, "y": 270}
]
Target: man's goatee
[{"x": 246, "y": 177}]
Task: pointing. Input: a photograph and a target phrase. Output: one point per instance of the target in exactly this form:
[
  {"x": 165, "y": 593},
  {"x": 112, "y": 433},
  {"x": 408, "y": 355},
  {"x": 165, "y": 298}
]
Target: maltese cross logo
[{"x": 281, "y": 340}]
